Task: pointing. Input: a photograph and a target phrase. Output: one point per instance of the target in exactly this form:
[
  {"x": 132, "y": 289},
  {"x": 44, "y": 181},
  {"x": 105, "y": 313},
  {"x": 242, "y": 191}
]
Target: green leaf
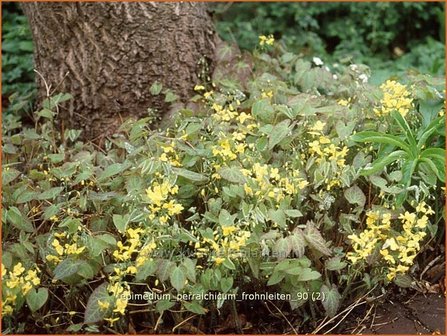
[
  {"x": 9, "y": 175},
  {"x": 282, "y": 248},
  {"x": 190, "y": 175},
  {"x": 46, "y": 113},
  {"x": 331, "y": 299},
  {"x": 155, "y": 88},
  {"x": 164, "y": 268},
  {"x": 434, "y": 153},
  {"x": 293, "y": 213},
  {"x": 378, "y": 165},
  {"x": 232, "y": 174},
  {"x": 429, "y": 130},
  {"x": 66, "y": 268},
  {"x": 406, "y": 129},
  {"x": 315, "y": 240},
  {"x": 308, "y": 274},
  {"x": 377, "y": 137},
  {"x": 147, "y": 269},
  {"x": 434, "y": 168},
  {"x": 277, "y": 216},
  {"x": 163, "y": 305},
  {"x": 178, "y": 278},
  {"x": 19, "y": 220},
  {"x": 190, "y": 267},
  {"x": 335, "y": 264},
  {"x": 229, "y": 264},
  {"x": 276, "y": 278},
  {"x": 403, "y": 280},
  {"x": 355, "y": 195},
  {"x": 278, "y": 133},
  {"x": 226, "y": 284},
  {"x": 36, "y": 298},
  {"x": 50, "y": 193},
  {"x": 263, "y": 111},
  {"x": 97, "y": 244},
  {"x": 170, "y": 96},
  {"x": 121, "y": 222},
  {"x": 225, "y": 218},
  {"x": 344, "y": 130},
  {"x": 112, "y": 170},
  {"x": 72, "y": 224},
  {"x": 194, "y": 307},
  {"x": 297, "y": 243},
  {"x": 93, "y": 312}
]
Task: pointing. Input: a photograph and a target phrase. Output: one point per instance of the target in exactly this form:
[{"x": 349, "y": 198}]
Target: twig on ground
[{"x": 285, "y": 318}]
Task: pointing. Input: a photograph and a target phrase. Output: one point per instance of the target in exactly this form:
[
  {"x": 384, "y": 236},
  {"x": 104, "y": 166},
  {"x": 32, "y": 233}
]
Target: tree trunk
[{"x": 107, "y": 55}]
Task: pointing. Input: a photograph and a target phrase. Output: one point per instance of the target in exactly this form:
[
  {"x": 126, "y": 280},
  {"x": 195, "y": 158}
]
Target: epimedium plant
[{"x": 259, "y": 185}]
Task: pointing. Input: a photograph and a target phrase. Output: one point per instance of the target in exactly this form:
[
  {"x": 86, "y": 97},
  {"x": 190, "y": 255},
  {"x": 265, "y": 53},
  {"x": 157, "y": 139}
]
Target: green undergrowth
[{"x": 280, "y": 177}]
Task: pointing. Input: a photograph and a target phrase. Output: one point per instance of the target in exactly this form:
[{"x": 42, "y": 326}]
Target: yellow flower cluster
[
  {"x": 324, "y": 150},
  {"x": 397, "y": 249},
  {"x": 118, "y": 288},
  {"x": 227, "y": 243},
  {"x": 17, "y": 282},
  {"x": 228, "y": 149},
  {"x": 120, "y": 293},
  {"x": 266, "y": 40},
  {"x": 266, "y": 182},
  {"x": 133, "y": 242},
  {"x": 170, "y": 155},
  {"x": 396, "y": 97},
  {"x": 160, "y": 206},
  {"x": 62, "y": 249}
]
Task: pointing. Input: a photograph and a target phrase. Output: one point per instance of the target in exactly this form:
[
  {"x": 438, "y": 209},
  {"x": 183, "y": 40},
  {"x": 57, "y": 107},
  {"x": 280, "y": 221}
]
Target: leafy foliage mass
[
  {"x": 279, "y": 177},
  {"x": 17, "y": 63},
  {"x": 385, "y": 36}
]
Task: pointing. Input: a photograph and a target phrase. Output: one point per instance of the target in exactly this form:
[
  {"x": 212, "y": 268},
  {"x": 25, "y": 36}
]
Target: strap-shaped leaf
[
  {"x": 378, "y": 165},
  {"x": 434, "y": 153},
  {"x": 377, "y": 137},
  {"x": 431, "y": 128},
  {"x": 406, "y": 129},
  {"x": 434, "y": 168}
]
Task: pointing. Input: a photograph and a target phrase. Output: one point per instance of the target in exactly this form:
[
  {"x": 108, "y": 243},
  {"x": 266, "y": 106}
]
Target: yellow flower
[
  {"x": 111, "y": 320},
  {"x": 32, "y": 276},
  {"x": 7, "y": 310},
  {"x": 391, "y": 243},
  {"x": 199, "y": 87},
  {"x": 388, "y": 257},
  {"x": 318, "y": 126},
  {"x": 57, "y": 246},
  {"x": 26, "y": 288},
  {"x": 208, "y": 94},
  {"x": 344, "y": 102},
  {"x": 408, "y": 217},
  {"x": 421, "y": 223},
  {"x": 120, "y": 306},
  {"x": 219, "y": 260},
  {"x": 131, "y": 270},
  {"x": 302, "y": 184},
  {"x": 396, "y": 97},
  {"x": 267, "y": 94},
  {"x": 18, "y": 269},
  {"x": 52, "y": 258},
  {"x": 173, "y": 208},
  {"x": 227, "y": 230},
  {"x": 266, "y": 40}
]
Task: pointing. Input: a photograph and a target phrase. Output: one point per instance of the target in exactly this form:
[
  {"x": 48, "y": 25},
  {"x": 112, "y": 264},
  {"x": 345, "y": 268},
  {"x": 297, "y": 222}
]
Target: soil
[{"x": 414, "y": 314}]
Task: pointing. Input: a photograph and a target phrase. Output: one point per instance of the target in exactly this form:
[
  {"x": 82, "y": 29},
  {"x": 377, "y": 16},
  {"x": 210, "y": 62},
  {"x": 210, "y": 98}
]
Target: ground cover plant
[
  {"x": 390, "y": 37},
  {"x": 280, "y": 176}
]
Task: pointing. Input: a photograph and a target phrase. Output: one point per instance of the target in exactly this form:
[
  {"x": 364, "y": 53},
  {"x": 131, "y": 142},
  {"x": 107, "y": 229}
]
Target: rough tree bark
[{"x": 107, "y": 55}]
